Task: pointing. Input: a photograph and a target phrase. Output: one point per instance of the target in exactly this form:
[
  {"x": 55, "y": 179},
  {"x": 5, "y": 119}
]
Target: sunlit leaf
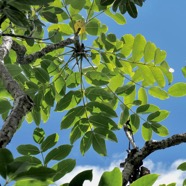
[
  {"x": 128, "y": 41},
  {"x": 149, "y": 52},
  {"x": 146, "y": 180},
  {"x": 184, "y": 71},
  {"x": 182, "y": 166},
  {"x": 160, "y": 56},
  {"x": 158, "y": 116},
  {"x": 158, "y": 93},
  {"x": 142, "y": 95},
  {"x": 147, "y": 108},
  {"x": 177, "y": 90},
  {"x": 159, "y": 129},
  {"x": 111, "y": 178},
  {"x": 146, "y": 131}
]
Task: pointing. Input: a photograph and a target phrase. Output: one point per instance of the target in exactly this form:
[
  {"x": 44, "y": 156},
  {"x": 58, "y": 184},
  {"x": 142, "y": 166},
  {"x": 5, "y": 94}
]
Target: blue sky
[{"x": 164, "y": 23}]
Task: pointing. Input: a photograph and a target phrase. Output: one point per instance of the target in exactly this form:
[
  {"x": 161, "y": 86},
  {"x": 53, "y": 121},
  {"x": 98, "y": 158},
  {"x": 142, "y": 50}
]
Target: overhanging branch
[
  {"x": 136, "y": 158},
  {"x": 27, "y": 59}
]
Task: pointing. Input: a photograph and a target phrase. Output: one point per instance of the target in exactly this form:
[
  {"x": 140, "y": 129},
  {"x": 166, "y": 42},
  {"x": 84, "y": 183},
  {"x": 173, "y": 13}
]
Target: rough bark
[
  {"x": 27, "y": 59},
  {"x": 22, "y": 103},
  {"x": 134, "y": 159}
]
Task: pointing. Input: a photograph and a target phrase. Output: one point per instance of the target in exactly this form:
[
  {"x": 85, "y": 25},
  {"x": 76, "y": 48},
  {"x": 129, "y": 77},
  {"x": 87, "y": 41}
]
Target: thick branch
[
  {"x": 22, "y": 103},
  {"x": 136, "y": 158},
  {"x": 21, "y": 50}
]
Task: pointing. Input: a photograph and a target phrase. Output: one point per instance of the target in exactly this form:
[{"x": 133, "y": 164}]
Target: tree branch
[
  {"x": 21, "y": 50},
  {"x": 133, "y": 160},
  {"x": 22, "y": 103}
]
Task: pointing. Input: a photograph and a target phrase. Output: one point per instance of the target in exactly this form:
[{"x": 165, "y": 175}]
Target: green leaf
[
  {"x": 135, "y": 122},
  {"x": 93, "y": 27},
  {"x": 166, "y": 71},
  {"x": 138, "y": 47},
  {"x": 182, "y": 166},
  {"x": 149, "y": 52},
  {"x": 124, "y": 116},
  {"x": 5, "y": 106},
  {"x": 39, "y": 135},
  {"x": 112, "y": 178},
  {"x": 72, "y": 116},
  {"x": 159, "y": 129},
  {"x": 31, "y": 159},
  {"x": 147, "y": 108},
  {"x": 118, "y": 18},
  {"x": 177, "y": 90},
  {"x": 142, "y": 96},
  {"x": 36, "y": 116},
  {"x": 70, "y": 100},
  {"x": 63, "y": 167},
  {"x": 41, "y": 75},
  {"x": 79, "y": 129},
  {"x": 146, "y": 180},
  {"x": 106, "y": 134},
  {"x": 96, "y": 107},
  {"x": 49, "y": 142},
  {"x": 106, "y": 2},
  {"x": 158, "y": 116},
  {"x": 184, "y": 182},
  {"x": 97, "y": 78},
  {"x": 81, "y": 177},
  {"x": 59, "y": 83},
  {"x": 100, "y": 120},
  {"x": 128, "y": 41},
  {"x": 86, "y": 142},
  {"x": 6, "y": 157},
  {"x": 158, "y": 93},
  {"x": 147, "y": 75},
  {"x": 50, "y": 17},
  {"x": 73, "y": 80},
  {"x": 184, "y": 71},
  {"x": 146, "y": 131},
  {"x": 38, "y": 173},
  {"x": 125, "y": 90},
  {"x": 131, "y": 9},
  {"x": 32, "y": 182},
  {"x": 35, "y": 2},
  {"x": 20, "y": 18},
  {"x": 160, "y": 56},
  {"x": 97, "y": 94},
  {"x": 28, "y": 149},
  {"x": 58, "y": 153},
  {"x": 14, "y": 70},
  {"x": 96, "y": 58},
  {"x": 99, "y": 145},
  {"x": 49, "y": 97},
  {"x": 158, "y": 76}
]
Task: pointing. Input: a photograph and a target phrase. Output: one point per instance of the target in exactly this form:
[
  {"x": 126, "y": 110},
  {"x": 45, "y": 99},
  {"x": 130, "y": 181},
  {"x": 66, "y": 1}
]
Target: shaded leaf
[
  {"x": 135, "y": 122},
  {"x": 147, "y": 108},
  {"x": 6, "y": 157},
  {"x": 158, "y": 116},
  {"x": 58, "y": 153},
  {"x": 99, "y": 145},
  {"x": 131, "y": 9},
  {"x": 28, "y": 149},
  {"x": 49, "y": 142},
  {"x": 5, "y": 106},
  {"x": 86, "y": 142},
  {"x": 81, "y": 177},
  {"x": 182, "y": 166}
]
